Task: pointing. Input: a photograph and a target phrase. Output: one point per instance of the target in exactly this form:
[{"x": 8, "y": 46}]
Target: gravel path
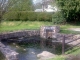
[{"x": 74, "y": 29}]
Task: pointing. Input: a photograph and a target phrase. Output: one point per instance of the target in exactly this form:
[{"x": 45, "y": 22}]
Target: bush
[
  {"x": 23, "y": 16},
  {"x": 28, "y": 16},
  {"x": 31, "y": 16},
  {"x": 10, "y": 15},
  {"x": 58, "y": 18},
  {"x": 44, "y": 16}
]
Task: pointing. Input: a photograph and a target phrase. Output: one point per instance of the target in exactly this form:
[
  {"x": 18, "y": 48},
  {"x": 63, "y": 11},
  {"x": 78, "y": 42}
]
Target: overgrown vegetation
[
  {"x": 58, "y": 18},
  {"x": 22, "y": 10},
  {"x": 70, "y": 10},
  {"x": 14, "y": 5}
]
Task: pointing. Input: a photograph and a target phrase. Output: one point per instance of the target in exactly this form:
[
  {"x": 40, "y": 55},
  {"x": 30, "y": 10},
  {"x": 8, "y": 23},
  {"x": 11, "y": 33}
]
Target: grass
[
  {"x": 8, "y": 26},
  {"x": 69, "y": 31},
  {"x": 19, "y": 25},
  {"x": 74, "y": 51},
  {"x": 60, "y": 57},
  {"x": 1, "y": 56}
]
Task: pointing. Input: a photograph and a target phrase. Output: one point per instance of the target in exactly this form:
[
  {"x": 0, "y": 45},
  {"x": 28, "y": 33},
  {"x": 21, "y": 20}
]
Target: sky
[{"x": 36, "y": 1}]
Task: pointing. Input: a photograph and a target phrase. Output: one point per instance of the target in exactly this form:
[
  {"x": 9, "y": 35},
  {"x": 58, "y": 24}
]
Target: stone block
[{"x": 49, "y": 31}]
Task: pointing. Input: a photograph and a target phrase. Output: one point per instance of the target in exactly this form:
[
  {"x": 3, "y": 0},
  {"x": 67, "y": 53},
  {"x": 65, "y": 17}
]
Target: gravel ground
[{"x": 74, "y": 29}]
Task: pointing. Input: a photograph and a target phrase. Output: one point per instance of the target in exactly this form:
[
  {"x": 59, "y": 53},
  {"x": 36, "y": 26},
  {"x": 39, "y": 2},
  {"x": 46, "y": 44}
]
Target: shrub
[
  {"x": 28, "y": 16},
  {"x": 45, "y": 16},
  {"x": 10, "y": 15},
  {"x": 58, "y": 18},
  {"x": 23, "y": 16}
]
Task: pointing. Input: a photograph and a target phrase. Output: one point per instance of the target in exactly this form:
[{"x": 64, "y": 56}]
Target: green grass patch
[
  {"x": 60, "y": 57},
  {"x": 69, "y": 31},
  {"x": 19, "y": 25},
  {"x": 74, "y": 51},
  {"x": 2, "y": 56},
  {"x": 8, "y": 26}
]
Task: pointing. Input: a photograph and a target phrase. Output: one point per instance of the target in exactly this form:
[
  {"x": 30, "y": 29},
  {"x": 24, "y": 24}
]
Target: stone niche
[{"x": 47, "y": 32}]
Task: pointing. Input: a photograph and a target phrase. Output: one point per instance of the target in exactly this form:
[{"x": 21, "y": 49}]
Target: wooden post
[
  {"x": 63, "y": 45},
  {"x": 42, "y": 44}
]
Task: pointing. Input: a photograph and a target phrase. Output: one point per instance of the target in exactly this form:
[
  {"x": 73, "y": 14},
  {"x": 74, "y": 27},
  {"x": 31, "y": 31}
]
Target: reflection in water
[{"x": 29, "y": 52}]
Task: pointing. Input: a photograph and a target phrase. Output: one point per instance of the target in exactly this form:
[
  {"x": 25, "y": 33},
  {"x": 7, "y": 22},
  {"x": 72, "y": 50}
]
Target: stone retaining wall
[
  {"x": 8, "y": 53},
  {"x": 18, "y": 34}
]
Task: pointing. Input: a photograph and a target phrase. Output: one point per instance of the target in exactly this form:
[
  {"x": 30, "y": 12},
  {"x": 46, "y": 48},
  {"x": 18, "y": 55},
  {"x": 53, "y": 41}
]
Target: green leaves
[
  {"x": 20, "y": 5},
  {"x": 58, "y": 18},
  {"x": 27, "y": 16},
  {"x": 70, "y": 9}
]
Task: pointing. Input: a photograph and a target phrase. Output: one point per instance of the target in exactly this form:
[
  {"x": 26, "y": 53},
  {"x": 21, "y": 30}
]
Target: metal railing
[{"x": 64, "y": 42}]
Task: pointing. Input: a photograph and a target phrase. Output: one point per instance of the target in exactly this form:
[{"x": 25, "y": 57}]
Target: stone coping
[{"x": 8, "y": 53}]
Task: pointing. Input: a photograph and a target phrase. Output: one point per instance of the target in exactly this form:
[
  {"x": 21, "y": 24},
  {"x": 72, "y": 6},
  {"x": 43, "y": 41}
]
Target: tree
[
  {"x": 21, "y": 5},
  {"x": 70, "y": 9},
  {"x": 15, "y": 6},
  {"x": 3, "y": 8}
]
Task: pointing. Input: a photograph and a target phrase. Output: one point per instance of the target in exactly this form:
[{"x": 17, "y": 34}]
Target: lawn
[
  {"x": 33, "y": 25},
  {"x": 21, "y": 25}
]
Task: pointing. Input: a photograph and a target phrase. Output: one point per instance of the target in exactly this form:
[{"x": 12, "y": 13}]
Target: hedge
[
  {"x": 58, "y": 18},
  {"x": 27, "y": 16}
]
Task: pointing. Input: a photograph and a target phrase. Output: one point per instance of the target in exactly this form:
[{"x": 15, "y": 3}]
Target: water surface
[{"x": 29, "y": 52}]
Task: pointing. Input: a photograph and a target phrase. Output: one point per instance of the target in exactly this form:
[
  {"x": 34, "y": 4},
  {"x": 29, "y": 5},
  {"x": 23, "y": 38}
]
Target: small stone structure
[
  {"x": 49, "y": 31},
  {"x": 8, "y": 53}
]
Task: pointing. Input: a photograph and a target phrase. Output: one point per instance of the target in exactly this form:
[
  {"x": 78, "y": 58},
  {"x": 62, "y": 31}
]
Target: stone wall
[
  {"x": 44, "y": 32},
  {"x": 18, "y": 34},
  {"x": 8, "y": 53}
]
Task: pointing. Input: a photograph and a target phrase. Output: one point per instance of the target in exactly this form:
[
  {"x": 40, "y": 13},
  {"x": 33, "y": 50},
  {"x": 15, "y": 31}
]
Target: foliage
[
  {"x": 3, "y": 8},
  {"x": 14, "y": 5},
  {"x": 70, "y": 9},
  {"x": 20, "y": 5},
  {"x": 58, "y": 18},
  {"x": 10, "y": 16},
  {"x": 27, "y": 16}
]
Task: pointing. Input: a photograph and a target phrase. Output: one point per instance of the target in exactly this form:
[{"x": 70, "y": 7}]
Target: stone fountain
[{"x": 49, "y": 31}]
